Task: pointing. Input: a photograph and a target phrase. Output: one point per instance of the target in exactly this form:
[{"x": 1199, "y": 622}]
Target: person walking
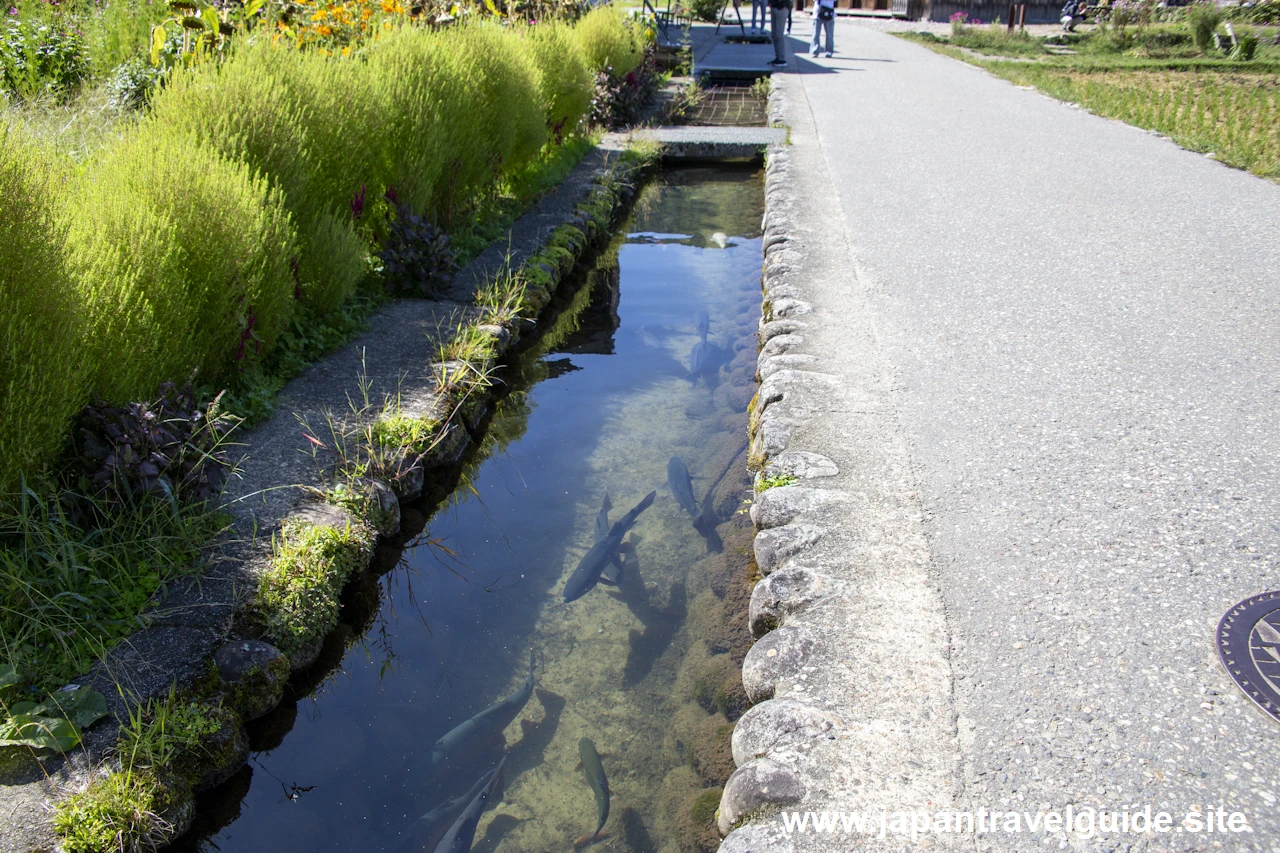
[
  {"x": 757, "y": 6},
  {"x": 778, "y": 24},
  {"x": 824, "y": 17}
]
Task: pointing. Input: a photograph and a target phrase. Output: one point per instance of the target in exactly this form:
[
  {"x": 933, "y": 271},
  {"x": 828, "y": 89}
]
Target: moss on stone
[
  {"x": 695, "y": 826},
  {"x": 297, "y": 600},
  {"x": 260, "y": 689},
  {"x": 132, "y": 810}
]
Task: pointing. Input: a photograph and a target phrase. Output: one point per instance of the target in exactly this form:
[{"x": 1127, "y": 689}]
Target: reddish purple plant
[
  {"x": 168, "y": 447},
  {"x": 357, "y": 203}
]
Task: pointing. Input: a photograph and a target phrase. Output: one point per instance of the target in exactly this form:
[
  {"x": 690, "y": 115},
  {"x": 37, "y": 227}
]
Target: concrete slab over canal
[{"x": 1054, "y": 429}]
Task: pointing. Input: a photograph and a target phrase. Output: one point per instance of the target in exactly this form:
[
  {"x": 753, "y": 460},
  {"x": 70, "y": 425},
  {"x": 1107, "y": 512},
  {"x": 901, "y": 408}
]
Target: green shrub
[
  {"x": 510, "y": 117},
  {"x": 706, "y": 10},
  {"x": 1203, "y": 19},
  {"x": 242, "y": 111},
  {"x": 607, "y": 39},
  {"x": 564, "y": 80},
  {"x": 41, "y": 362},
  {"x": 425, "y": 102},
  {"x": 125, "y": 811},
  {"x": 343, "y": 123},
  {"x": 39, "y": 57},
  {"x": 182, "y": 258},
  {"x": 460, "y": 108}
]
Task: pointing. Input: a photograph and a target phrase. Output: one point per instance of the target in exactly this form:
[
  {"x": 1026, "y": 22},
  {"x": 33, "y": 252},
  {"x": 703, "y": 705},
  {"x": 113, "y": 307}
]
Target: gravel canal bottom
[{"x": 651, "y": 360}]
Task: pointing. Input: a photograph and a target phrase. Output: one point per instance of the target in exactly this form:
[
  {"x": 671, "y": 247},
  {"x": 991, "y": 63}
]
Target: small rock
[
  {"x": 777, "y": 656},
  {"x": 768, "y": 331},
  {"x": 384, "y": 506},
  {"x": 793, "y": 361},
  {"x": 774, "y": 546},
  {"x": 757, "y": 838},
  {"x": 788, "y": 307},
  {"x": 802, "y": 465},
  {"x": 777, "y": 722},
  {"x": 782, "y": 504},
  {"x": 781, "y": 594},
  {"x": 755, "y": 785},
  {"x": 772, "y": 437},
  {"x": 254, "y": 674},
  {"x": 406, "y": 476},
  {"x": 780, "y": 344}
]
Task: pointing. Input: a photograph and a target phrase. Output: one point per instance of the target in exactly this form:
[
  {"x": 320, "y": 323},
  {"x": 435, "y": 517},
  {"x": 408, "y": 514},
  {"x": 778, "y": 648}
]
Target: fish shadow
[
  {"x": 659, "y": 630},
  {"x": 499, "y": 828},
  {"x": 635, "y": 833},
  {"x": 531, "y": 751},
  {"x": 705, "y": 524}
]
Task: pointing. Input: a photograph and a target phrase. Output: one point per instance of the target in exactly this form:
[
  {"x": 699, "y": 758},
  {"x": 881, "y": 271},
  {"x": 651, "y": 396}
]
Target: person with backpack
[
  {"x": 824, "y": 17},
  {"x": 778, "y": 24}
]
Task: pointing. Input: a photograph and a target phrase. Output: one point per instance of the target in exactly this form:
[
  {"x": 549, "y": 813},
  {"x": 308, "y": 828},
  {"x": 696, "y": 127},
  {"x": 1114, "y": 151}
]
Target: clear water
[{"x": 597, "y": 406}]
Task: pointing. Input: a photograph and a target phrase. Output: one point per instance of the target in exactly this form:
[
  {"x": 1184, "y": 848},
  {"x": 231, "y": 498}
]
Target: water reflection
[{"x": 646, "y": 668}]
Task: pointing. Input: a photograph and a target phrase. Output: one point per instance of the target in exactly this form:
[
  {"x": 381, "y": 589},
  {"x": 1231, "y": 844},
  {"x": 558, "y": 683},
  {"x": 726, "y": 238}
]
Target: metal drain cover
[{"x": 1249, "y": 647}]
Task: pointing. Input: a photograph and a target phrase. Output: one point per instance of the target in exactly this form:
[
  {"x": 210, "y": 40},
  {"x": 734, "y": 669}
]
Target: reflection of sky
[{"x": 461, "y": 627}]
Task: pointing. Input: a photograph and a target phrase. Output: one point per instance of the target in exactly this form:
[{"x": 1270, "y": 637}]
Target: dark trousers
[{"x": 778, "y": 23}]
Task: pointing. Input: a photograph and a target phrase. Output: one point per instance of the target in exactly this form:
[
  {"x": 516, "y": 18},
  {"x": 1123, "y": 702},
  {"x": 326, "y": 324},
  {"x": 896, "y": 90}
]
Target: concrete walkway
[{"x": 1074, "y": 327}]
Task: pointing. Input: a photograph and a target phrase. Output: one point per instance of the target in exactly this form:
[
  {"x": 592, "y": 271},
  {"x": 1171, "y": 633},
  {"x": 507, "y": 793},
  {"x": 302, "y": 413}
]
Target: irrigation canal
[{"x": 597, "y": 406}]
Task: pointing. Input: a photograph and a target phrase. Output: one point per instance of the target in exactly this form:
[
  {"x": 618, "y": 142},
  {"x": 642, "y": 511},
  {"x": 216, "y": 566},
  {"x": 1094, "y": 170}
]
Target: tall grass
[
  {"x": 42, "y": 382},
  {"x": 181, "y": 258},
  {"x": 1236, "y": 116},
  {"x": 68, "y": 590}
]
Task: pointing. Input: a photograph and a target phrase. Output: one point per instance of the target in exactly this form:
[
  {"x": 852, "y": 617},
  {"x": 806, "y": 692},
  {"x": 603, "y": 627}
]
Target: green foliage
[
  {"x": 42, "y": 382},
  {"x": 69, "y": 590},
  {"x": 763, "y": 483},
  {"x": 460, "y": 108},
  {"x": 40, "y": 57},
  {"x": 182, "y": 260},
  {"x": 297, "y": 600},
  {"x": 393, "y": 431},
  {"x": 564, "y": 80},
  {"x": 240, "y": 110},
  {"x": 1203, "y": 18},
  {"x": 608, "y": 40},
  {"x": 122, "y": 812},
  {"x": 705, "y": 10},
  {"x": 170, "y": 732},
  {"x": 121, "y": 31},
  {"x": 53, "y": 723},
  {"x": 996, "y": 39}
]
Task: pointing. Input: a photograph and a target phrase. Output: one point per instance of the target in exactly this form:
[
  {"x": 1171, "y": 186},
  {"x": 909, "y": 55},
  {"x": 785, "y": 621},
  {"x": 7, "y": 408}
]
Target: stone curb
[{"x": 849, "y": 675}]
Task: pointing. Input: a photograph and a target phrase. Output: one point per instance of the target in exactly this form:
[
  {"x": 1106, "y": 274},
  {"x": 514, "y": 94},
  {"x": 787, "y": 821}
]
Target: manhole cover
[{"x": 1249, "y": 646}]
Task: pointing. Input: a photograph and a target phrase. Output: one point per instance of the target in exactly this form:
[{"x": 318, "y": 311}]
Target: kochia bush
[
  {"x": 244, "y": 112},
  {"x": 42, "y": 383},
  {"x": 564, "y": 81},
  {"x": 182, "y": 261},
  {"x": 608, "y": 40}
]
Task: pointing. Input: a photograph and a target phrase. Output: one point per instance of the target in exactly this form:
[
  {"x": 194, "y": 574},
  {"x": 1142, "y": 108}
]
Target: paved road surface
[{"x": 1083, "y": 326}]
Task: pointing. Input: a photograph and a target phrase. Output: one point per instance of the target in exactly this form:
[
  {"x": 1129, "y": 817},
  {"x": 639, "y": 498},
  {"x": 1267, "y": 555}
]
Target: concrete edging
[{"x": 850, "y": 672}]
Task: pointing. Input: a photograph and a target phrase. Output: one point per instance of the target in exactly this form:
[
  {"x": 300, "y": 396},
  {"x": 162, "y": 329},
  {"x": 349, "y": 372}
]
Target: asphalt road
[{"x": 1083, "y": 327}]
